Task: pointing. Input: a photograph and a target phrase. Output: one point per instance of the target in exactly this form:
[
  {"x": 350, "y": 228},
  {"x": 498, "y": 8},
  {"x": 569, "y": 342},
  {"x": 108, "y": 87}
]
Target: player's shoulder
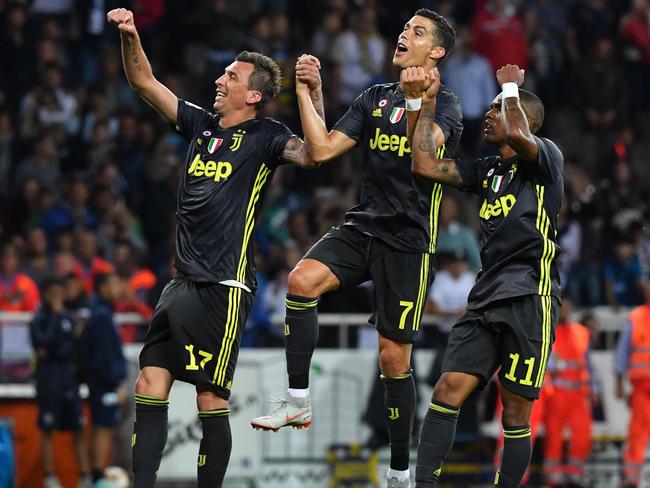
[
  {"x": 550, "y": 149},
  {"x": 447, "y": 94},
  {"x": 269, "y": 123},
  {"x": 382, "y": 90},
  {"x": 448, "y": 100}
]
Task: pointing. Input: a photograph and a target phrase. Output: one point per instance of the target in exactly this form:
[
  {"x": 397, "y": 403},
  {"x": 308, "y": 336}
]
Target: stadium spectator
[
  {"x": 88, "y": 265},
  {"x": 589, "y": 21},
  {"x": 19, "y": 292},
  {"x": 602, "y": 105},
  {"x": 76, "y": 201},
  {"x": 449, "y": 292},
  {"x": 36, "y": 263},
  {"x": 15, "y": 55},
  {"x": 469, "y": 75},
  {"x": 104, "y": 367},
  {"x": 49, "y": 103},
  {"x": 455, "y": 237},
  {"x": 633, "y": 361},
  {"x": 42, "y": 164},
  {"x": 635, "y": 33},
  {"x": 53, "y": 334},
  {"x": 569, "y": 235},
  {"x": 499, "y": 34},
  {"x": 360, "y": 53},
  {"x": 623, "y": 274}
]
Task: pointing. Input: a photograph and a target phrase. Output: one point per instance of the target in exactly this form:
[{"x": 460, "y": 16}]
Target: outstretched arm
[
  {"x": 510, "y": 78},
  {"x": 428, "y": 138},
  {"x": 137, "y": 68},
  {"x": 321, "y": 144}
]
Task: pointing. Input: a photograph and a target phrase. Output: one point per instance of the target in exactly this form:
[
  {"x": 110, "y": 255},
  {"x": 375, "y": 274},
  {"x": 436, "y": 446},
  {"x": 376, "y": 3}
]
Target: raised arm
[
  {"x": 510, "y": 78},
  {"x": 137, "y": 68},
  {"x": 320, "y": 144},
  {"x": 427, "y": 141},
  {"x": 413, "y": 82}
]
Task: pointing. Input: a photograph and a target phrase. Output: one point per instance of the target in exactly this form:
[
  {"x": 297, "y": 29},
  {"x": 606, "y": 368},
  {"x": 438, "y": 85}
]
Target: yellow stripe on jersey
[
  {"x": 260, "y": 180},
  {"x": 543, "y": 224},
  {"x": 436, "y": 198},
  {"x": 422, "y": 291},
  {"x": 234, "y": 299},
  {"x": 546, "y": 339}
]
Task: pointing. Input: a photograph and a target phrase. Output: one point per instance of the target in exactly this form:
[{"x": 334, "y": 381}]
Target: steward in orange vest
[
  {"x": 573, "y": 383},
  {"x": 633, "y": 358}
]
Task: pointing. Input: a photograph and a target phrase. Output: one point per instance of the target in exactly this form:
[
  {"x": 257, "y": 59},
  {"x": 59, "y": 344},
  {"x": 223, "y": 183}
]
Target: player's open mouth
[
  {"x": 401, "y": 48},
  {"x": 219, "y": 95}
]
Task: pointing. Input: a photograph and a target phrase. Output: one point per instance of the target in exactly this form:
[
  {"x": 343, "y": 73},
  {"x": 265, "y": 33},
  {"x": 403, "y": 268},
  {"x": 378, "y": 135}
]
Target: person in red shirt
[
  {"x": 18, "y": 292},
  {"x": 88, "y": 264},
  {"x": 574, "y": 388},
  {"x": 140, "y": 280},
  {"x": 499, "y": 34}
]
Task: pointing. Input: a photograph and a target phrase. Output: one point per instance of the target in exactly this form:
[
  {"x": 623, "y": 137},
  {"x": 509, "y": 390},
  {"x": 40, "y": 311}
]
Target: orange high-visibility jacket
[
  {"x": 570, "y": 368},
  {"x": 640, "y": 355}
]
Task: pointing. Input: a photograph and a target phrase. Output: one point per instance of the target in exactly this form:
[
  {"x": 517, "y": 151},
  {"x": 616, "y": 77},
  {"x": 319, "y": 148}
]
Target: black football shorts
[
  {"x": 195, "y": 332},
  {"x": 514, "y": 336},
  {"x": 401, "y": 279}
]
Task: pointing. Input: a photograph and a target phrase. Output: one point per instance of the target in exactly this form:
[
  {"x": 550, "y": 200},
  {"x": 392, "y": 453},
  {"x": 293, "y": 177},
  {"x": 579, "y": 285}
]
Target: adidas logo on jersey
[
  {"x": 393, "y": 143},
  {"x": 210, "y": 169}
]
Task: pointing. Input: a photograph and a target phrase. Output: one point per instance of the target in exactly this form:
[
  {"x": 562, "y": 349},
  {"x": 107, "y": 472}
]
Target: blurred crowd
[{"x": 89, "y": 173}]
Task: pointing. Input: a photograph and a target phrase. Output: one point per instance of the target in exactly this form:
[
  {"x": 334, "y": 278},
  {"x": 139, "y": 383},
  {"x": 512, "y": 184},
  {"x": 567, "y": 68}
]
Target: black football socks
[
  {"x": 436, "y": 439},
  {"x": 214, "y": 451},
  {"x": 149, "y": 438},
  {"x": 301, "y": 335},
  {"x": 400, "y": 403},
  {"x": 517, "y": 451}
]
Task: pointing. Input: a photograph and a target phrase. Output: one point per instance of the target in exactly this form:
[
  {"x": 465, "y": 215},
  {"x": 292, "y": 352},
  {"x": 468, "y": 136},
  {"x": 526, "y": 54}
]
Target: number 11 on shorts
[{"x": 530, "y": 362}]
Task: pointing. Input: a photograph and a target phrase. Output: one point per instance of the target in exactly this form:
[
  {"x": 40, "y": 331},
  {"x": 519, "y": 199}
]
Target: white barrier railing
[{"x": 610, "y": 321}]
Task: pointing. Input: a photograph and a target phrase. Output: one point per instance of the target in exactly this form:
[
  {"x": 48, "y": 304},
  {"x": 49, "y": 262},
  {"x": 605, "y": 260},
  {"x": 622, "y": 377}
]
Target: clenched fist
[
  {"x": 308, "y": 72},
  {"x": 414, "y": 81},
  {"x": 510, "y": 73},
  {"x": 123, "y": 19}
]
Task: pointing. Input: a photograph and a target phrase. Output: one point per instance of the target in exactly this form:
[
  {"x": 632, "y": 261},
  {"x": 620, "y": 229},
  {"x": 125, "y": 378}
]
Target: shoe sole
[{"x": 297, "y": 426}]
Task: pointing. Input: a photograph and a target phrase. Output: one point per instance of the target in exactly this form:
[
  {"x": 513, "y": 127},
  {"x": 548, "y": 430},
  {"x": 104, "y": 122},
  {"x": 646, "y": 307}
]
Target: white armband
[
  {"x": 510, "y": 89},
  {"x": 413, "y": 104}
]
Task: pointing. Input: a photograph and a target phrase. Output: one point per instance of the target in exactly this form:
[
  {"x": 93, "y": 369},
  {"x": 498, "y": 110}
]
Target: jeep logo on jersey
[
  {"x": 393, "y": 143},
  {"x": 214, "y": 144},
  {"x": 210, "y": 169},
  {"x": 502, "y": 205}
]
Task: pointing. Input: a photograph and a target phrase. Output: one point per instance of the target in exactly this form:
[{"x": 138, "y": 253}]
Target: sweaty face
[
  {"x": 415, "y": 43},
  {"x": 232, "y": 88}
]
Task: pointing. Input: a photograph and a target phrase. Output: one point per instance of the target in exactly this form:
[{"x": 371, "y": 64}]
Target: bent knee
[
  {"x": 311, "y": 280},
  {"x": 516, "y": 410},
  {"x": 393, "y": 361},
  {"x": 454, "y": 388},
  {"x": 155, "y": 382},
  {"x": 208, "y": 400}
]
